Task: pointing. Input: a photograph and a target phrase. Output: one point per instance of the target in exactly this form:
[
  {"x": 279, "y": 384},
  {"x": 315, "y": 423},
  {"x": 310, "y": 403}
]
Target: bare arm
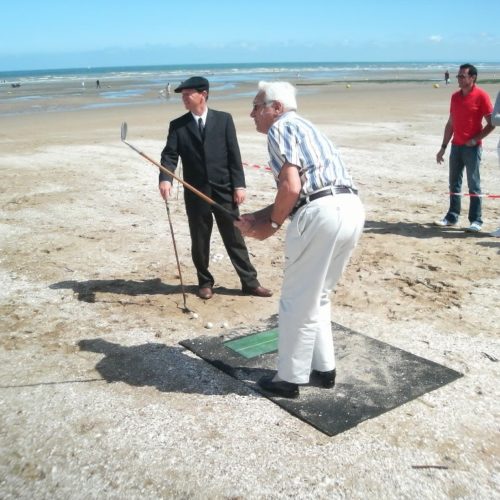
[
  {"x": 289, "y": 187},
  {"x": 448, "y": 134},
  {"x": 495, "y": 116},
  {"x": 484, "y": 132},
  {"x": 258, "y": 224}
]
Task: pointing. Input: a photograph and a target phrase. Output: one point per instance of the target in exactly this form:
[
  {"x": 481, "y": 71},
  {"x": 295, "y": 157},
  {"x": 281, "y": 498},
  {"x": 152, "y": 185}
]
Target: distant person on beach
[
  {"x": 206, "y": 141},
  {"x": 447, "y": 77},
  {"x": 97, "y": 84},
  {"x": 168, "y": 89},
  {"x": 314, "y": 189},
  {"x": 469, "y": 106},
  {"x": 495, "y": 120}
]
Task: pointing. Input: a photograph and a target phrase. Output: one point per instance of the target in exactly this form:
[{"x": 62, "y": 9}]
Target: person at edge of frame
[{"x": 495, "y": 120}]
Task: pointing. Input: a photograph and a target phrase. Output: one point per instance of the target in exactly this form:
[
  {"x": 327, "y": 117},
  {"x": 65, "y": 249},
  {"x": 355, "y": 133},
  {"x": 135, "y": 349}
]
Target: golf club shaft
[
  {"x": 176, "y": 255},
  {"x": 184, "y": 183}
]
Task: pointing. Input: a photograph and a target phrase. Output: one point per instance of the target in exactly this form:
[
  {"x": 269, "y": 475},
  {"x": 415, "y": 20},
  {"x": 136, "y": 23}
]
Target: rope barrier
[
  {"x": 253, "y": 165},
  {"x": 473, "y": 195}
]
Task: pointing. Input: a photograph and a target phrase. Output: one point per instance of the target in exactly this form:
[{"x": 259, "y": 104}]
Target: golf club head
[{"x": 124, "y": 131}]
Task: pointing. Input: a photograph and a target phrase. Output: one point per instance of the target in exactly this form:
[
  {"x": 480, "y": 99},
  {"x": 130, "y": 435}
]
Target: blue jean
[{"x": 469, "y": 158}]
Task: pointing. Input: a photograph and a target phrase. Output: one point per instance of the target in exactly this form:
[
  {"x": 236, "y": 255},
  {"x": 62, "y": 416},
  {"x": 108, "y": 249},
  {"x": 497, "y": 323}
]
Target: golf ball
[
  {"x": 209, "y": 325},
  {"x": 194, "y": 315}
]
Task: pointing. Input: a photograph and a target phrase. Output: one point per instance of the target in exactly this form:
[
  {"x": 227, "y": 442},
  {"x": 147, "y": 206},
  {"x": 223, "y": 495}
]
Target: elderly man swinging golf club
[{"x": 316, "y": 191}]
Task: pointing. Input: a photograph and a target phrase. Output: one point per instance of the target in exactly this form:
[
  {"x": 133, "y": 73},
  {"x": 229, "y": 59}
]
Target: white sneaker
[
  {"x": 496, "y": 233},
  {"x": 475, "y": 227},
  {"x": 444, "y": 222}
]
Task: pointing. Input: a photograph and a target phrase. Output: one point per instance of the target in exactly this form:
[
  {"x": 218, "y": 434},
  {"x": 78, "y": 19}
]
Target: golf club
[
  {"x": 166, "y": 171},
  {"x": 185, "y": 308}
]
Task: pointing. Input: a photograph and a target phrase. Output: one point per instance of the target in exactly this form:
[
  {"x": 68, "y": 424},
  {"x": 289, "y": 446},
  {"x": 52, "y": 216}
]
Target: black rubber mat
[{"x": 372, "y": 377}]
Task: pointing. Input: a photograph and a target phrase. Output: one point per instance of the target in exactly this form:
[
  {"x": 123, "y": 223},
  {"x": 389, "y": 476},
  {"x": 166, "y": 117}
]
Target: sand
[{"x": 86, "y": 253}]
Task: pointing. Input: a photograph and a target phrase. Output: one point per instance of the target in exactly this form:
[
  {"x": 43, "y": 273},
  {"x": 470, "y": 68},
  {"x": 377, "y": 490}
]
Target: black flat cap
[{"x": 195, "y": 82}]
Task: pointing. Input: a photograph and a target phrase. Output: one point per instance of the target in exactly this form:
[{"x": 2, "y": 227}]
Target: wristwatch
[{"x": 274, "y": 225}]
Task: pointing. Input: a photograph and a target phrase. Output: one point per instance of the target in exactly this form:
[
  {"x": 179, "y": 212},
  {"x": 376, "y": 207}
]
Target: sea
[{"x": 33, "y": 91}]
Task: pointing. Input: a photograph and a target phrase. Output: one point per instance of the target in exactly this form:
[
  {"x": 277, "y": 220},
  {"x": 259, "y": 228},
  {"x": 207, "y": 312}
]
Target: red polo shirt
[{"x": 467, "y": 113}]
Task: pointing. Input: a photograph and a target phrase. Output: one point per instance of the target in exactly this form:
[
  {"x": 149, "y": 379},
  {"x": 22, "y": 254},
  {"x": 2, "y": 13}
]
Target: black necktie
[{"x": 201, "y": 128}]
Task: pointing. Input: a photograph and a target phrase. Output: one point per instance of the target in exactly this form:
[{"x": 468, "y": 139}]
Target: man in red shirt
[
  {"x": 468, "y": 107},
  {"x": 495, "y": 119}
]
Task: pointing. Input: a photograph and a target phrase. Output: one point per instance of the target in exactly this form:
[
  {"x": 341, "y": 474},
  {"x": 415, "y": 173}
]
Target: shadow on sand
[
  {"x": 415, "y": 230},
  {"x": 168, "y": 369},
  {"x": 87, "y": 290}
]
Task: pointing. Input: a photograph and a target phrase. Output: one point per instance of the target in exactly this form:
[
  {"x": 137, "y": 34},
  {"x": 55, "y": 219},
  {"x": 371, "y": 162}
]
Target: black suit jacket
[{"x": 214, "y": 165}]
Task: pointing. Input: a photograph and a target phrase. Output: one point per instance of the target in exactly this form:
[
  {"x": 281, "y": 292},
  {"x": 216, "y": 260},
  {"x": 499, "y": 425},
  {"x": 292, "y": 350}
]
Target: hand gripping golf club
[
  {"x": 184, "y": 183},
  {"x": 185, "y": 308}
]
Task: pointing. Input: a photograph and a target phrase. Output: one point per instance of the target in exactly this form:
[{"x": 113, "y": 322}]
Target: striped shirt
[{"x": 295, "y": 140}]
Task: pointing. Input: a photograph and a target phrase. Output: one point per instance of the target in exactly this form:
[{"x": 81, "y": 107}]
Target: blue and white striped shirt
[{"x": 296, "y": 140}]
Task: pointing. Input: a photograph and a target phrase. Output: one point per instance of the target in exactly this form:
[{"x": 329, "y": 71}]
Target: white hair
[{"x": 283, "y": 92}]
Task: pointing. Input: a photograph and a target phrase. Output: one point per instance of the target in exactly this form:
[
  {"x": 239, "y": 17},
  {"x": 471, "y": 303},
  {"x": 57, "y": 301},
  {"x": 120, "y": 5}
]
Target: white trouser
[{"x": 319, "y": 241}]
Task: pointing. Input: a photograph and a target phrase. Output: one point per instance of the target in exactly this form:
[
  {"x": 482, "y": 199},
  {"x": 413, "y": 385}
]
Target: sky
[{"x": 43, "y": 34}]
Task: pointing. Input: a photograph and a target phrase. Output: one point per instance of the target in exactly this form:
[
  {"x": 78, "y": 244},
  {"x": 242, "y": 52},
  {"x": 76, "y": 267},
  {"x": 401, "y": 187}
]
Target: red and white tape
[
  {"x": 472, "y": 195},
  {"x": 253, "y": 165}
]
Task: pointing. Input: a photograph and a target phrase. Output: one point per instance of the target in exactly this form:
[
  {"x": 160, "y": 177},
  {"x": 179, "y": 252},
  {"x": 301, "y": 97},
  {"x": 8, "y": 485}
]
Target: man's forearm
[
  {"x": 487, "y": 129},
  {"x": 263, "y": 215},
  {"x": 448, "y": 134}
]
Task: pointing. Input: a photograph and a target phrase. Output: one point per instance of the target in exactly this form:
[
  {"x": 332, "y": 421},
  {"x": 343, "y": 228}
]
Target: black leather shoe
[
  {"x": 258, "y": 291},
  {"x": 280, "y": 388},
  {"x": 205, "y": 292},
  {"x": 327, "y": 379}
]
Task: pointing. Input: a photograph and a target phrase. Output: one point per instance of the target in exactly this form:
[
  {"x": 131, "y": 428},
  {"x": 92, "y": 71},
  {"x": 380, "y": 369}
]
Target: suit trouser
[
  {"x": 201, "y": 219},
  {"x": 319, "y": 242}
]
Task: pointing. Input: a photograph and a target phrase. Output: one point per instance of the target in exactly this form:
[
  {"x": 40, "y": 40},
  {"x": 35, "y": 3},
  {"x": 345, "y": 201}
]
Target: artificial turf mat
[
  {"x": 256, "y": 344},
  {"x": 372, "y": 377}
]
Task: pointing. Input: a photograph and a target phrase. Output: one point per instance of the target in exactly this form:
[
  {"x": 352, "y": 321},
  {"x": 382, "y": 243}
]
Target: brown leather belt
[{"x": 331, "y": 191}]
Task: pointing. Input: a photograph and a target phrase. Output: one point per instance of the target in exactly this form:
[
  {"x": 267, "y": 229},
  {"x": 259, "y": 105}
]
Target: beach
[{"x": 86, "y": 254}]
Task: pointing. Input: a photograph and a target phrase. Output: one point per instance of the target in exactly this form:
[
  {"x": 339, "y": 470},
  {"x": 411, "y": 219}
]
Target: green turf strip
[{"x": 256, "y": 344}]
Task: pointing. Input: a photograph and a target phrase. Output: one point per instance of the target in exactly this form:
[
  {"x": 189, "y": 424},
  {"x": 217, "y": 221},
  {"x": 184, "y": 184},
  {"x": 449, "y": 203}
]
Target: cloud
[{"x": 436, "y": 38}]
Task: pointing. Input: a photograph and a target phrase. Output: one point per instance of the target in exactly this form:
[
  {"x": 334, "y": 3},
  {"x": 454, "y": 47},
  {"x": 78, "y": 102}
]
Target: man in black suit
[{"x": 206, "y": 141}]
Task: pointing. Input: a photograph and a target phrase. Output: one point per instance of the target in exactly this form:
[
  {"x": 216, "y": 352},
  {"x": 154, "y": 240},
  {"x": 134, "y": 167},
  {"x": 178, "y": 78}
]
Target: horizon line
[{"x": 383, "y": 61}]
